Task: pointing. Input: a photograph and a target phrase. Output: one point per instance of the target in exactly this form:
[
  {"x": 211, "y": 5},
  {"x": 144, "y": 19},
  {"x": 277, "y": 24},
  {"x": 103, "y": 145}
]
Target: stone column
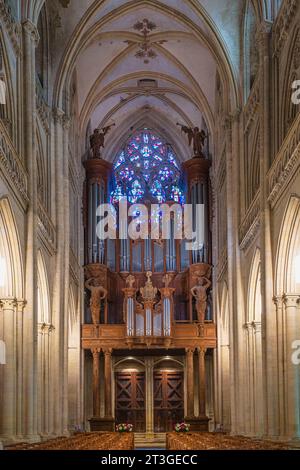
[
  {"x": 202, "y": 382},
  {"x": 292, "y": 385},
  {"x": 258, "y": 390},
  {"x": 190, "y": 382},
  {"x": 8, "y": 418},
  {"x": 58, "y": 318},
  {"x": 96, "y": 382},
  {"x": 268, "y": 319},
  {"x": 20, "y": 344},
  {"x": 30, "y": 41},
  {"x": 108, "y": 388}
]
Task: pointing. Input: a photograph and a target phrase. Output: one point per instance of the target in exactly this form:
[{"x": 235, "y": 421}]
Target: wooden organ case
[{"x": 140, "y": 297}]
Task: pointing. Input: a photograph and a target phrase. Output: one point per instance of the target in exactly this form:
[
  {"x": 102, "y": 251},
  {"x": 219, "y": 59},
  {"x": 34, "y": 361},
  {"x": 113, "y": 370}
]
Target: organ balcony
[{"x": 148, "y": 318}]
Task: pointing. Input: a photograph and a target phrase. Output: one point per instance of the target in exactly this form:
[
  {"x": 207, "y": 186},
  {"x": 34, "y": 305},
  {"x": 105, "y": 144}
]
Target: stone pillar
[
  {"x": 96, "y": 382},
  {"x": 190, "y": 382},
  {"x": 202, "y": 382},
  {"x": 8, "y": 418},
  {"x": 258, "y": 390},
  {"x": 292, "y": 385},
  {"x": 268, "y": 319},
  {"x": 20, "y": 344},
  {"x": 108, "y": 388},
  {"x": 59, "y": 345},
  {"x": 30, "y": 41}
]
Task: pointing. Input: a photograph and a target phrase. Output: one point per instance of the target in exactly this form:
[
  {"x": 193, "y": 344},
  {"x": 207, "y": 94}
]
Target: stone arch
[
  {"x": 44, "y": 310},
  {"x": 289, "y": 109},
  {"x": 288, "y": 251},
  {"x": 250, "y": 49},
  {"x": 7, "y": 109},
  {"x": 254, "y": 290},
  {"x": 10, "y": 254},
  {"x": 11, "y": 322},
  {"x": 287, "y": 300}
]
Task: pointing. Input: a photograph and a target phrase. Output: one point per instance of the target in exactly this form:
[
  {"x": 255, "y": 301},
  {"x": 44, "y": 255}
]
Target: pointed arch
[
  {"x": 44, "y": 311},
  {"x": 250, "y": 50},
  {"x": 254, "y": 290},
  {"x": 7, "y": 110},
  {"x": 12, "y": 280},
  {"x": 288, "y": 251},
  {"x": 292, "y": 68}
]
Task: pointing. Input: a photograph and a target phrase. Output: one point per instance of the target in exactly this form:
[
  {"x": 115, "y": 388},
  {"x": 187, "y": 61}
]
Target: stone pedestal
[{"x": 102, "y": 424}]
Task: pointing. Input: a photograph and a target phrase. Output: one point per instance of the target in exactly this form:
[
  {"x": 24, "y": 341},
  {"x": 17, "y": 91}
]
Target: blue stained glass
[{"x": 146, "y": 166}]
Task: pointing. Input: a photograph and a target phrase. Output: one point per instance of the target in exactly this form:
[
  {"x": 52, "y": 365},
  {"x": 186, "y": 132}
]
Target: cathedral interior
[{"x": 158, "y": 104}]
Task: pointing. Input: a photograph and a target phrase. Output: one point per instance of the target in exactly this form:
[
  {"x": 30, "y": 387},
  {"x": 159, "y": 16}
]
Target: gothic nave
[{"x": 116, "y": 116}]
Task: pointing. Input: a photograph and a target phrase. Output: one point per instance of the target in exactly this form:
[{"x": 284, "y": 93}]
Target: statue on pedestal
[
  {"x": 199, "y": 293},
  {"x": 196, "y": 137},
  {"x": 97, "y": 140},
  {"x": 98, "y": 294}
]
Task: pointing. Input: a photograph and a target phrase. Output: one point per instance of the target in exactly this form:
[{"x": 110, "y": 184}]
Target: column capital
[
  {"x": 96, "y": 352},
  {"x": 107, "y": 352},
  {"x": 8, "y": 303},
  {"x": 278, "y": 301},
  {"x": 256, "y": 326},
  {"x": 202, "y": 351},
  {"x": 247, "y": 326},
  {"x": 263, "y": 31},
  {"x": 21, "y": 304},
  {"x": 58, "y": 116},
  {"x": 190, "y": 351},
  {"x": 30, "y": 28},
  {"x": 291, "y": 300}
]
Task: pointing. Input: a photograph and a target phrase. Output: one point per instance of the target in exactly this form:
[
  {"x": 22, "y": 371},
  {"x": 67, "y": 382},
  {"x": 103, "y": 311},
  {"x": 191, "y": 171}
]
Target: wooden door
[
  {"x": 168, "y": 400},
  {"x": 130, "y": 400}
]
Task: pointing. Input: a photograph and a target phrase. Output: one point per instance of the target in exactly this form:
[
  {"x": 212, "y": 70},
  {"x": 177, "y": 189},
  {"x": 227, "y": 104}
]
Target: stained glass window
[{"x": 147, "y": 168}]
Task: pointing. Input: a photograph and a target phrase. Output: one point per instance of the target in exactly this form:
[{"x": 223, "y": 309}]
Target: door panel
[
  {"x": 130, "y": 400},
  {"x": 168, "y": 400}
]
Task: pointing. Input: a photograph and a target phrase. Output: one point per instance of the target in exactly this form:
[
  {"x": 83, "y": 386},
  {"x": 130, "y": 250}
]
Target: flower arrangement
[
  {"x": 182, "y": 427},
  {"x": 124, "y": 427}
]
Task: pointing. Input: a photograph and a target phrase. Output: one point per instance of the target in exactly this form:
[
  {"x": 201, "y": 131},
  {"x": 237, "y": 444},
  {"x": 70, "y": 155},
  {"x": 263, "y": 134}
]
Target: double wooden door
[
  {"x": 130, "y": 399},
  {"x": 168, "y": 400}
]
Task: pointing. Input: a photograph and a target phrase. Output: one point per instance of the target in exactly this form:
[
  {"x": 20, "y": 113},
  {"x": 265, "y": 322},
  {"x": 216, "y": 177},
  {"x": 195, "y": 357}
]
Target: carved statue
[
  {"x": 98, "y": 294},
  {"x": 130, "y": 281},
  {"x": 197, "y": 137},
  {"x": 97, "y": 140},
  {"x": 199, "y": 292}
]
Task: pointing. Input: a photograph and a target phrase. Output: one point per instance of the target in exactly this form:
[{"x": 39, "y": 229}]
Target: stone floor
[{"x": 150, "y": 442}]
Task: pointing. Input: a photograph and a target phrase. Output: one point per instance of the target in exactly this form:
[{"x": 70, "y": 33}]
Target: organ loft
[{"x": 148, "y": 308}]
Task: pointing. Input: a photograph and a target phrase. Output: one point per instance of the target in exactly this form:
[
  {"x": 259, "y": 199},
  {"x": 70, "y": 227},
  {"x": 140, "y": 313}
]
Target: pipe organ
[{"x": 146, "y": 294}]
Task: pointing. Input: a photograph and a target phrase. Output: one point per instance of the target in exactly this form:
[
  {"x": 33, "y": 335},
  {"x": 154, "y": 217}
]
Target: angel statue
[
  {"x": 196, "y": 137},
  {"x": 98, "y": 294},
  {"x": 199, "y": 293},
  {"x": 97, "y": 140}
]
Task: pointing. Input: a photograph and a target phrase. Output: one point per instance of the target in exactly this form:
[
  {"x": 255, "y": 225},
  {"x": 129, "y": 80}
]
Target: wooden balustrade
[
  {"x": 86, "y": 441},
  {"x": 218, "y": 441}
]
